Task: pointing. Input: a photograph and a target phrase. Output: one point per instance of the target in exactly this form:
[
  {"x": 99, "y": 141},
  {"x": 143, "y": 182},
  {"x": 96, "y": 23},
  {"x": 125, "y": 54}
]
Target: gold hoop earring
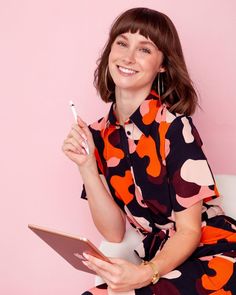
[{"x": 160, "y": 84}]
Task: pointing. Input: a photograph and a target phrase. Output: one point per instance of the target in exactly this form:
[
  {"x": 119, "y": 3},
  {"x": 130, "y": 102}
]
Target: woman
[{"x": 146, "y": 165}]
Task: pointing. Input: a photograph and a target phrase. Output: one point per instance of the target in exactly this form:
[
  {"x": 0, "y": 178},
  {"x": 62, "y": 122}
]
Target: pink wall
[{"x": 47, "y": 57}]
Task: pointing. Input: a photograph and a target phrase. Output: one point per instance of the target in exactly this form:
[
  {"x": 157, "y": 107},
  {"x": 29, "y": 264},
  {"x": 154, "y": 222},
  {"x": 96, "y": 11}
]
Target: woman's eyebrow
[
  {"x": 148, "y": 43},
  {"x": 123, "y": 36},
  {"x": 140, "y": 42}
]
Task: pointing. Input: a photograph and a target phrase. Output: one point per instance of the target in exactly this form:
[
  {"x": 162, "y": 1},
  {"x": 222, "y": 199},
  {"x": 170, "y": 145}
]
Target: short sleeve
[
  {"x": 190, "y": 177},
  {"x": 83, "y": 193}
]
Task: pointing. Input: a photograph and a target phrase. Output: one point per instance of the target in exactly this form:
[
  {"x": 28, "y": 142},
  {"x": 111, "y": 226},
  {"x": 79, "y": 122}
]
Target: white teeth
[{"x": 127, "y": 71}]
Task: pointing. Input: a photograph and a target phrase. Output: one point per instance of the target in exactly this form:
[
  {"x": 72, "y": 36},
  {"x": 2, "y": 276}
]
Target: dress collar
[{"x": 142, "y": 117}]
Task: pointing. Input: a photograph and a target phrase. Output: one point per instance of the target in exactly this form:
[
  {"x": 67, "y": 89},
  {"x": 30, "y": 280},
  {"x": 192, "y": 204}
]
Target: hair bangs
[{"x": 134, "y": 21}]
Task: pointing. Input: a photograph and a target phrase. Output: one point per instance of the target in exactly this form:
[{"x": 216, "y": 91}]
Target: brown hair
[{"x": 179, "y": 93}]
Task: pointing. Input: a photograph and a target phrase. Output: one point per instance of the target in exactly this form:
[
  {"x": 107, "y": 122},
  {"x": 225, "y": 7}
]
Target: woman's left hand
[{"x": 120, "y": 275}]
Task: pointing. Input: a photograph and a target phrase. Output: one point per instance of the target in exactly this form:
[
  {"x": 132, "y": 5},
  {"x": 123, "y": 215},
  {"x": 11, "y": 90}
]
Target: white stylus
[{"x": 75, "y": 117}]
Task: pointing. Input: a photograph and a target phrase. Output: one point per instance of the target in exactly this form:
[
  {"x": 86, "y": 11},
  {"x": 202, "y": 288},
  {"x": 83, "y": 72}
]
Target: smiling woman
[
  {"x": 146, "y": 165},
  {"x": 129, "y": 57},
  {"x": 156, "y": 36}
]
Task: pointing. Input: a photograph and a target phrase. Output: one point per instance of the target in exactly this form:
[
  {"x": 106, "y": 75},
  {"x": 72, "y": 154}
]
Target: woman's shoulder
[
  {"x": 99, "y": 125},
  {"x": 165, "y": 115},
  {"x": 97, "y": 129},
  {"x": 172, "y": 123},
  {"x": 178, "y": 125}
]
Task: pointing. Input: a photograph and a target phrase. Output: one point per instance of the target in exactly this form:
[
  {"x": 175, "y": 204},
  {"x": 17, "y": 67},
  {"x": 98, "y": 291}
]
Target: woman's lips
[{"x": 126, "y": 71}]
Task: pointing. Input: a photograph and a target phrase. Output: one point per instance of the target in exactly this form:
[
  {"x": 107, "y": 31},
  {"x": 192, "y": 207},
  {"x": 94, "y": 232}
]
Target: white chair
[{"x": 226, "y": 185}]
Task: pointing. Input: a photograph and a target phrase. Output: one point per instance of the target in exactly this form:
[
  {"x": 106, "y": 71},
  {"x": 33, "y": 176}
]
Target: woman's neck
[{"x": 127, "y": 102}]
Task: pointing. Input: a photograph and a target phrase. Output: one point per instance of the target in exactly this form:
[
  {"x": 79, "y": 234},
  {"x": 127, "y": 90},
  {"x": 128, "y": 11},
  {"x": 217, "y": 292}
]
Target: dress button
[{"x": 128, "y": 132}]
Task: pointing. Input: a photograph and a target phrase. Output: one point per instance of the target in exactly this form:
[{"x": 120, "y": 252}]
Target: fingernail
[
  {"x": 80, "y": 119},
  {"x": 84, "y": 262},
  {"x": 86, "y": 256},
  {"x": 83, "y": 144}
]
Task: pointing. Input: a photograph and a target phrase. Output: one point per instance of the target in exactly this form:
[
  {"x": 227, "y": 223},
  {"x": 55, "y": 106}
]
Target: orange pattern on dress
[
  {"x": 223, "y": 269},
  {"x": 211, "y": 235},
  {"x": 147, "y": 148},
  {"x": 221, "y": 292},
  {"x": 109, "y": 150},
  {"x": 149, "y": 116},
  {"x": 121, "y": 186},
  {"x": 100, "y": 166}
]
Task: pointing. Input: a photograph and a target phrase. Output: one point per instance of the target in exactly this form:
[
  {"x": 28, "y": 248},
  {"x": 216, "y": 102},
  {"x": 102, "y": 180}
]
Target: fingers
[
  {"x": 107, "y": 277},
  {"x": 117, "y": 260},
  {"x": 84, "y": 127},
  {"x": 115, "y": 274},
  {"x": 101, "y": 264},
  {"x": 81, "y": 122},
  {"x": 72, "y": 144},
  {"x": 78, "y": 131},
  {"x": 68, "y": 147},
  {"x": 110, "y": 273},
  {"x": 75, "y": 140}
]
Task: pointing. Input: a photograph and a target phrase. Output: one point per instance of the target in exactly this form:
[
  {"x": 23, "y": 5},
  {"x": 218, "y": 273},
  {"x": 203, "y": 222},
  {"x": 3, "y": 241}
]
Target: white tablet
[{"x": 70, "y": 247}]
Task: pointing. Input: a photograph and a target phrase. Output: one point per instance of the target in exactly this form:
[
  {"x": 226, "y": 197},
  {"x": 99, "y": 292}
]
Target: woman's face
[{"x": 134, "y": 61}]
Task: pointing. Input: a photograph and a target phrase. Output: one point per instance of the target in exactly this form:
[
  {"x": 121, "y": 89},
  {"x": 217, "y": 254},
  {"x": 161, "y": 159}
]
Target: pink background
[{"x": 47, "y": 57}]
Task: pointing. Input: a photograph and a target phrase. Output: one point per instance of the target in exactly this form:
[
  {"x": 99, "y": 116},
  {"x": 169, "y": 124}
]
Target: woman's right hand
[{"x": 73, "y": 145}]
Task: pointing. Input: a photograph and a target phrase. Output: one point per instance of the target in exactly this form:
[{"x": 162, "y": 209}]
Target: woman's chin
[{"x": 125, "y": 86}]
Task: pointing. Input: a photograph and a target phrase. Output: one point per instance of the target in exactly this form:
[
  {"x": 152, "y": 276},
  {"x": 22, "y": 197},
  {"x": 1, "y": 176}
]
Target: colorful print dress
[{"x": 154, "y": 166}]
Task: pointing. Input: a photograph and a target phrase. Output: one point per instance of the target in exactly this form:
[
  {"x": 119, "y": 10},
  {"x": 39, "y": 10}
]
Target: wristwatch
[{"x": 156, "y": 275}]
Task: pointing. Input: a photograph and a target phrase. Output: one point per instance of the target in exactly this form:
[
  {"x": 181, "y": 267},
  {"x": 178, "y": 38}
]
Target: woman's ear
[{"x": 162, "y": 69}]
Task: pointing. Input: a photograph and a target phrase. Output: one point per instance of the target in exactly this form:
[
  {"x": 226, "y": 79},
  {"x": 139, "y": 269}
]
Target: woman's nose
[{"x": 129, "y": 56}]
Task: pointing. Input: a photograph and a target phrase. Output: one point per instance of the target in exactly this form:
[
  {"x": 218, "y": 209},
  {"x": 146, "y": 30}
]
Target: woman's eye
[
  {"x": 146, "y": 50},
  {"x": 121, "y": 43}
]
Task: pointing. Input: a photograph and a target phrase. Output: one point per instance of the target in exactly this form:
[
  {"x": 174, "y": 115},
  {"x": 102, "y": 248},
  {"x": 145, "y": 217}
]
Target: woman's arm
[
  {"x": 107, "y": 216},
  {"x": 182, "y": 244},
  {"x": 121, "y": 275}
]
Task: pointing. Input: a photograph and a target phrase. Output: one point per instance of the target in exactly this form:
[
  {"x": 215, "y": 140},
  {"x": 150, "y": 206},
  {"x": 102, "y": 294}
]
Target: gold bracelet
[{"x": 156, "y": 275}]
